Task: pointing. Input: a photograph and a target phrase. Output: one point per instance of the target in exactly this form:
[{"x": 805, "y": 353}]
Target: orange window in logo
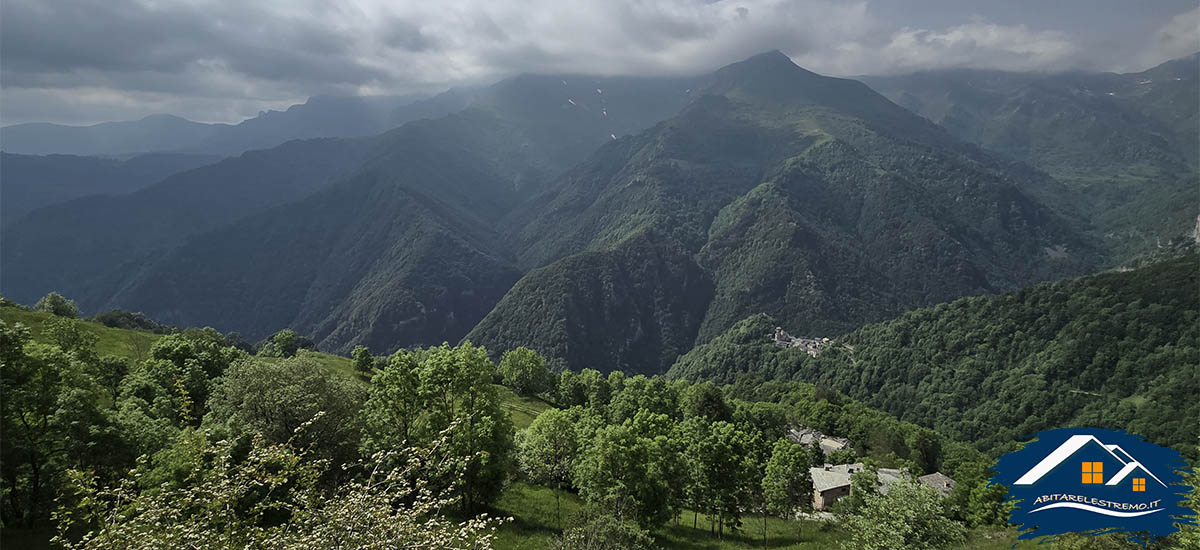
[
  {"x": 1093, "y": 472},
  {"x": 1139, "y": 484}
]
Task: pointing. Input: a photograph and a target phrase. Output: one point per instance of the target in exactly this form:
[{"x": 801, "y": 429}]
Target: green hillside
[
  {"x": 1115, "y": 350},
  {"x": 131, "y": 344},
  {"x": 810, "y": 198}
]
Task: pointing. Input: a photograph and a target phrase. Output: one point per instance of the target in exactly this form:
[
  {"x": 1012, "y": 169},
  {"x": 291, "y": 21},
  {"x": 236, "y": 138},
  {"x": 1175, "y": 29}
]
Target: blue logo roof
[{"x": 1092, "y": 480}]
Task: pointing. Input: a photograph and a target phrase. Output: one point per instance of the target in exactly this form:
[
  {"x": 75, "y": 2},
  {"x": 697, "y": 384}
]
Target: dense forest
[
  {"x": 166, "y": 438},
  {"x": 1115, "y": 350}
]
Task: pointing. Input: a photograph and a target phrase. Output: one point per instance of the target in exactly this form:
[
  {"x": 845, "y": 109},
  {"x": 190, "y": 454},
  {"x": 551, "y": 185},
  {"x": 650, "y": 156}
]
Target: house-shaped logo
[
  {"x": 1084, "y": 479},
  {"x": 1094, "y": 463}
]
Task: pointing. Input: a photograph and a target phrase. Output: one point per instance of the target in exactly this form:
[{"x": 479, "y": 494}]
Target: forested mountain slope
[
  {"x": 1116, "y": 350},
  {"x": 811, "y": 198},
  {"x": 1130, "y": 142},
  {"x": 402, "y": 250},
  {"x": 28, "y": 182},
  {"x": 87, "y": 247}
]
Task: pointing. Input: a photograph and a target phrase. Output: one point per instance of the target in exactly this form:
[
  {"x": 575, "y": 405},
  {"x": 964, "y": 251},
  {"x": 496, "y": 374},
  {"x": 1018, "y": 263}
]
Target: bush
[
  {"x": 909, "y": 516},
  {"x": 134, "y": 321},
  {"x": 56, "y": 304},
  {"x": 279, "y": 504},
  {"x": 600, "y": 531}
]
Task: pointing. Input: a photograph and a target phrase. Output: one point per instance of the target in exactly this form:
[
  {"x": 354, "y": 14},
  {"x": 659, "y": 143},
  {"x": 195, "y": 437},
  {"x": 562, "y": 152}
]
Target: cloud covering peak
[{"x": 79, "y": 61}]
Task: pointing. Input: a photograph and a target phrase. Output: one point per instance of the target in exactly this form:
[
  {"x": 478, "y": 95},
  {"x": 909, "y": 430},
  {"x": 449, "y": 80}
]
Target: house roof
[
  {"x": 888, "y": 476},
  {"x": 939, "y": 482},
  {"x": 833, "y": 477}
]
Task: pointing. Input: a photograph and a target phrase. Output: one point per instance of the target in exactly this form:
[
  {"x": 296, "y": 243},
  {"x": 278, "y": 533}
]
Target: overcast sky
[{"x": 85, "y": 61}]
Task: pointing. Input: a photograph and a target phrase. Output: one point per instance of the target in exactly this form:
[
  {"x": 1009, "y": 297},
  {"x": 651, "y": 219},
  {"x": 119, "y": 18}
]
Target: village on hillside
[
  {"x": 812, "y": 346},
  {"x": 833, "y": 481}
]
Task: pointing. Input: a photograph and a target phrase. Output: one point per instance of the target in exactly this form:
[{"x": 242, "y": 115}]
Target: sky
[{"x": 88, "y": 61}]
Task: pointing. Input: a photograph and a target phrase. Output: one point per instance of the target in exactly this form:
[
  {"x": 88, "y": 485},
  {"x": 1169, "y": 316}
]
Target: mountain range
[
  {"x": 608, "y": 222},
  {"x": 33, "y": 181},
  {"x": 319, "y": 117},
  {"x": 1127, "y": 142}
]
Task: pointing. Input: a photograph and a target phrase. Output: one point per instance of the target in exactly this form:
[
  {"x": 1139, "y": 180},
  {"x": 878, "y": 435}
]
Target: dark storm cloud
[
  {"x": 86, "y": 60},
  {"x": 47, "y": 40}
]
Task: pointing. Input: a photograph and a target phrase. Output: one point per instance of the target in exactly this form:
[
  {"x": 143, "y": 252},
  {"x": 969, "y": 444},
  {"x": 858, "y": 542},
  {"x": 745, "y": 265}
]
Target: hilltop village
[{"x": 812, "y": 346}]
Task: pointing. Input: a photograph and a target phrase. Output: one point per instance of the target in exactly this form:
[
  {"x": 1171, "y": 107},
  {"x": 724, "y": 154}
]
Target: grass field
[
  {"x": 132, "y": 344},
  {"x": 535, "y": 524},
  {"x": 522, "y": 409}
]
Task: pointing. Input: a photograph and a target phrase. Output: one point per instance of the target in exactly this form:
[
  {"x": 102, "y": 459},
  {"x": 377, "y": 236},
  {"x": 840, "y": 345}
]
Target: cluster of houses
[
  {"x": 832, "y": 481},
  {"x": 812, "y": 346},
  {"x": 808, "y": 437}
]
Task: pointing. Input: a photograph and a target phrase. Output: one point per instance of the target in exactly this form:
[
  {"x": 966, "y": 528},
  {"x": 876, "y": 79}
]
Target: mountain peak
[{"x": 773, "y": 60}]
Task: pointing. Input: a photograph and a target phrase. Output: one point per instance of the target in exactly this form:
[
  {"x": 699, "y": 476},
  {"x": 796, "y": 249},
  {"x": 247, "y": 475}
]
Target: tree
[
  {"x": 456, "y": 387},
  {"x": 276, "y": 501},
  {"x": 909, "y": 516},
  {"x": 276, "y": 398},
  {"x": 571, "y": 390},
  {"x": 70, "y": 336},
  {"x": 816, "y": 456},
  {"x": 284, "y": 343},
  {"x": 548, "y": 449},
  {"x": 56, "y": 304},
  {"x": 705, "y": 400},
  {"x": 394, "y": 405},
  {"x": 986, "y": 504},
  {"x": 31, "y": 378},
  {"x": 525, "y": 371},
  {"x": 842, "y": 456},
  {"x": 616, "y": 472},
  {"x": 863, "y": 484},
  {"x": 722, "y": 471},
  {"x": 205, "y": 348},
  {"x": 788, "y": 484},
  {"x": 363, "y": 361},
  {"x": 49, "y": 419},
  {"x": 109, "y": 371}
]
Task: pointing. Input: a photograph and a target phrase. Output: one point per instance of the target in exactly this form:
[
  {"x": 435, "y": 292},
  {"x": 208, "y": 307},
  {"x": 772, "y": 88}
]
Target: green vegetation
[
  {"x": 129, "y": 344},
  {"x": 619, "y": 462},
  {"x": 1113, "y": 350},
  {"x": 55, "y": 304}
]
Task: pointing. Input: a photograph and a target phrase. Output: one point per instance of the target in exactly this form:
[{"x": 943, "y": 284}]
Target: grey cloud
[{"x": 220, "y": 59}]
